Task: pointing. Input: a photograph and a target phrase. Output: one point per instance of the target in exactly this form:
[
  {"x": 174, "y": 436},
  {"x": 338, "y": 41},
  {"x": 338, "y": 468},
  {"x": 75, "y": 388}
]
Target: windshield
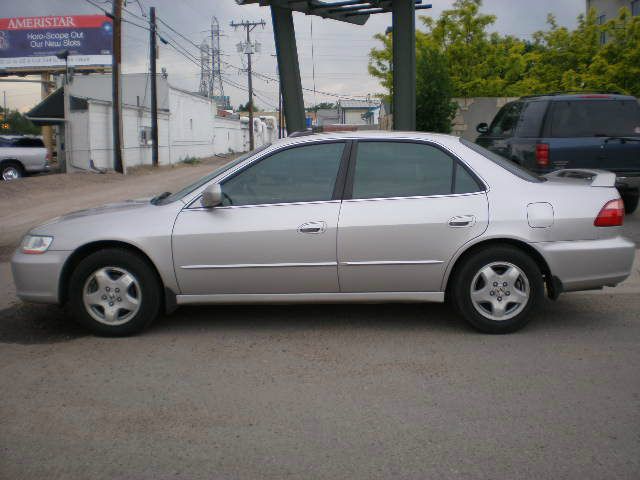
[
  {"x": 508, "y": 165},
  {"x": 169, "y": 197}
]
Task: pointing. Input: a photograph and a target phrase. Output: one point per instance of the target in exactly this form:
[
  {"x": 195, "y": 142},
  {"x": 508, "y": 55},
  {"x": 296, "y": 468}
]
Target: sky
[{"x": 338, "y": 52}]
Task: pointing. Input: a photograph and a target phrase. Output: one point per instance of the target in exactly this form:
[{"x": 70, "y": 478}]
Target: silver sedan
[{"x": 358, "y": 217}]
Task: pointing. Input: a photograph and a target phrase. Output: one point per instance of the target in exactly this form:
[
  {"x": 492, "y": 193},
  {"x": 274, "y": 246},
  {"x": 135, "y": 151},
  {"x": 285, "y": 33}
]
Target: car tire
[
  {"x": 630, "y": 199},
  {"x": 114, "y": 292},
  {"x": 496, "y": 289},
  {"x": 11, "y": 170}
]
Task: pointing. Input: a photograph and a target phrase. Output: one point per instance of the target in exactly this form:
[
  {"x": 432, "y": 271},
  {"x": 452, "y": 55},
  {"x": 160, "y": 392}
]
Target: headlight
[{"x": 36, "y": 244}]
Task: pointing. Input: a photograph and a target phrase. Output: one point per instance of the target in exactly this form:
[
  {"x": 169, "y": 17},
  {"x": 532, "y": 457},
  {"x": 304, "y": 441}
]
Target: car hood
[
  {"x": 109, "y": 208},
  {"x": 133, "y": 221}
]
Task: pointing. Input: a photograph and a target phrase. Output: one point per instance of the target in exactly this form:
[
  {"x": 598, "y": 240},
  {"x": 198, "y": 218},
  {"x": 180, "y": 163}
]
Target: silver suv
[{"x": 20, "y": 155}]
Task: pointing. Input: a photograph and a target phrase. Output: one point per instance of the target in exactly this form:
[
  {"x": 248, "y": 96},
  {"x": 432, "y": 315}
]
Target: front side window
[
  {"x": 403, "y": 169},
  {"x": 506, "y": 120},
  {"x": 300, "y": 174}
]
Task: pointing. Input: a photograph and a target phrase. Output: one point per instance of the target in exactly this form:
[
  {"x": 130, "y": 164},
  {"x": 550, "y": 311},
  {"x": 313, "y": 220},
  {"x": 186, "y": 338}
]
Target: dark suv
[{"x": 549, "y": 132}]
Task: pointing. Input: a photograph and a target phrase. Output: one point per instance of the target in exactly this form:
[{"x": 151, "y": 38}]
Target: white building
[
  {"x": 187, "y": 123},
  {"x": 358, "y": 112}
]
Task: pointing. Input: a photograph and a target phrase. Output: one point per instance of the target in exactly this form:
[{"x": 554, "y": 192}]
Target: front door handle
[
  {"x": 462, "y": 221},
  {"x": 313, "y": 228}
]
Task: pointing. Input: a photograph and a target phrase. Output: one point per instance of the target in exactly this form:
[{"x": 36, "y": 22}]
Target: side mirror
[
  {"x": 212, "y": 196},
  {"x": 482, "y": 128}
]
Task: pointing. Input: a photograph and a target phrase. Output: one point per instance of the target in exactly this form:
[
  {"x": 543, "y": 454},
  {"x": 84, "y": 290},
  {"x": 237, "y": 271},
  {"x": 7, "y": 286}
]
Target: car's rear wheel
[
  {"x": 495, "y": 289},
  {"x": 114, "y": 292},
  {"x": 11, "y": 170},
  {"x": 630, "y": 198}
]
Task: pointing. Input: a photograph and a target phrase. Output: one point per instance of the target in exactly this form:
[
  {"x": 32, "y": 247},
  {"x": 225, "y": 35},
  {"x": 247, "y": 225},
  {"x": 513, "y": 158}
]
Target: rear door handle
[
  {"x": 313, "y": 228},
  {"x": 462, "y": 221}
]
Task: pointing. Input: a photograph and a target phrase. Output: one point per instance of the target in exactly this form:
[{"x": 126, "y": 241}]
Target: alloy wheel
[
  {"x": 112, "y": 295},
  {"x": 10, "y": 173},
  {"x": 500, "y": 291}
]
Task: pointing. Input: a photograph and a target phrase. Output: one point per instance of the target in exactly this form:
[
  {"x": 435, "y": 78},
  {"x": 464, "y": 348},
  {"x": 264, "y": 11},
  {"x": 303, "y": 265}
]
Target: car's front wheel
[
  {"x": 495, "y": 289},
  {"x": 114, "y": 292}
]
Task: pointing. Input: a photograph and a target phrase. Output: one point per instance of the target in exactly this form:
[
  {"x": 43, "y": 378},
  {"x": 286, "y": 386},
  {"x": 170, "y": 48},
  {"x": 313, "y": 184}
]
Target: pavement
[{"x": 325, "y": 392}]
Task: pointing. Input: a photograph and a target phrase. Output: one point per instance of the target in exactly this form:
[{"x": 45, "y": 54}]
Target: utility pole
[
  {"x": 280, "y": 127},
  {"x": 154, "y": 93},
  {"x": 115, "y": 86},
  {"x": 248, "y": 49},
  {"x": 66, "y": 92}
]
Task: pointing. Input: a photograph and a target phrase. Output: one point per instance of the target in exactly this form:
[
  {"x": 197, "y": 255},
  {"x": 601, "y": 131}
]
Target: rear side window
[
  {"x": 29, "y": 143},
  {"x": 530, "y": 123},
  {"x": 508, "y": 165},
  {"x": 403, "y": 169},
  {"x": 593, "y": 118}
]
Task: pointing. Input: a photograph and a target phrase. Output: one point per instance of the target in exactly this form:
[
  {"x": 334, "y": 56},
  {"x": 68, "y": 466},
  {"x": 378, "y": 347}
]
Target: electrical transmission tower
[
  {"x": 216, "y": 89},
  {"x": 205, "y": 71}
]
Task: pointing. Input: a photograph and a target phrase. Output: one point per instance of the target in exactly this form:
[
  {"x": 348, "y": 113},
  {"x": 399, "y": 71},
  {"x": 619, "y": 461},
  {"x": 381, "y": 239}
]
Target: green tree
[
  {"x": 380, "y": 63},
  {"x": 245, "y": 107},
  {"x": 557, "y": 59},
  {"x": 321, "y": 105},
  {"x": 17, "y": 124},
  {"x": 479, "y": 63},
  {"x": 435, "y": 109}
]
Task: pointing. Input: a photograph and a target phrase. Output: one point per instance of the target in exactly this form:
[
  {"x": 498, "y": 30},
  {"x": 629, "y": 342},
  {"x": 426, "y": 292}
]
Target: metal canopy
[
  {"x": 355, "y": 12},
  {"x": 350, "y": 11}
]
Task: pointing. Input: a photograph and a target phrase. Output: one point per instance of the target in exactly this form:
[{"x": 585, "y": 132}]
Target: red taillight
[
  {"x": 611, "y": 215},
  {"x": 48, "y": 157},
  {"x": 542, "y": 154}
]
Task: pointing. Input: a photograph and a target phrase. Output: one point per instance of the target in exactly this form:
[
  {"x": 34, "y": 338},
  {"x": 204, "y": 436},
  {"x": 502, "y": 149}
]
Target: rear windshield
[
  {"x": 508, "y": 165},
  {"x": 595, "y": 118}
]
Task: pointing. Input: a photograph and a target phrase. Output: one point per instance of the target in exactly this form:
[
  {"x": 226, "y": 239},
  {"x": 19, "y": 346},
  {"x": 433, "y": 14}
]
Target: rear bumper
[
  {"x": 37, "y": 168},
  {"x": 37, "y": 277},
  {"x": 589, "y": 264}
]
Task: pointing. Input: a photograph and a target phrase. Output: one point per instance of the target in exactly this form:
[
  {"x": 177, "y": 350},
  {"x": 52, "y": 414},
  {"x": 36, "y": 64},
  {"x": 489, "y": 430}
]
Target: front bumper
[
  {"x": 37, "y": 277},
  {"x": 589, "y": 264}
]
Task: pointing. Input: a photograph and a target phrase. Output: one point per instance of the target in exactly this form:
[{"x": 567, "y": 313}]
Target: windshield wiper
[{"x": 160, "y": 197}]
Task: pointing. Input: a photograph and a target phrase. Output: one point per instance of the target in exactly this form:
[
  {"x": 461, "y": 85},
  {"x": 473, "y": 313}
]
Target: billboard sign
[{"x": 31, "y": 43}]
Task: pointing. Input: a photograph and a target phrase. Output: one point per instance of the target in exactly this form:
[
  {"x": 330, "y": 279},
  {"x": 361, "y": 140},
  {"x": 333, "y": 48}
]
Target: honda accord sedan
[{"x": 357, "y": 217}]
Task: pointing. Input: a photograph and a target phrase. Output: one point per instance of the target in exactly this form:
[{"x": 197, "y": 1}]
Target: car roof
[
  {"x": 369, "y": 135},
  {"x": 558, "y": 97}
]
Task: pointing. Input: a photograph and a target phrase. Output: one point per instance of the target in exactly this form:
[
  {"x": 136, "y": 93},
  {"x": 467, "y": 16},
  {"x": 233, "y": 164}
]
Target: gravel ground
[{"x": 324, "y": 392}]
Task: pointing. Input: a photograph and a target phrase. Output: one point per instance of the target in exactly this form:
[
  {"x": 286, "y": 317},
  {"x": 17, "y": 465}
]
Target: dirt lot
[{"x": 30, "y": 201}]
